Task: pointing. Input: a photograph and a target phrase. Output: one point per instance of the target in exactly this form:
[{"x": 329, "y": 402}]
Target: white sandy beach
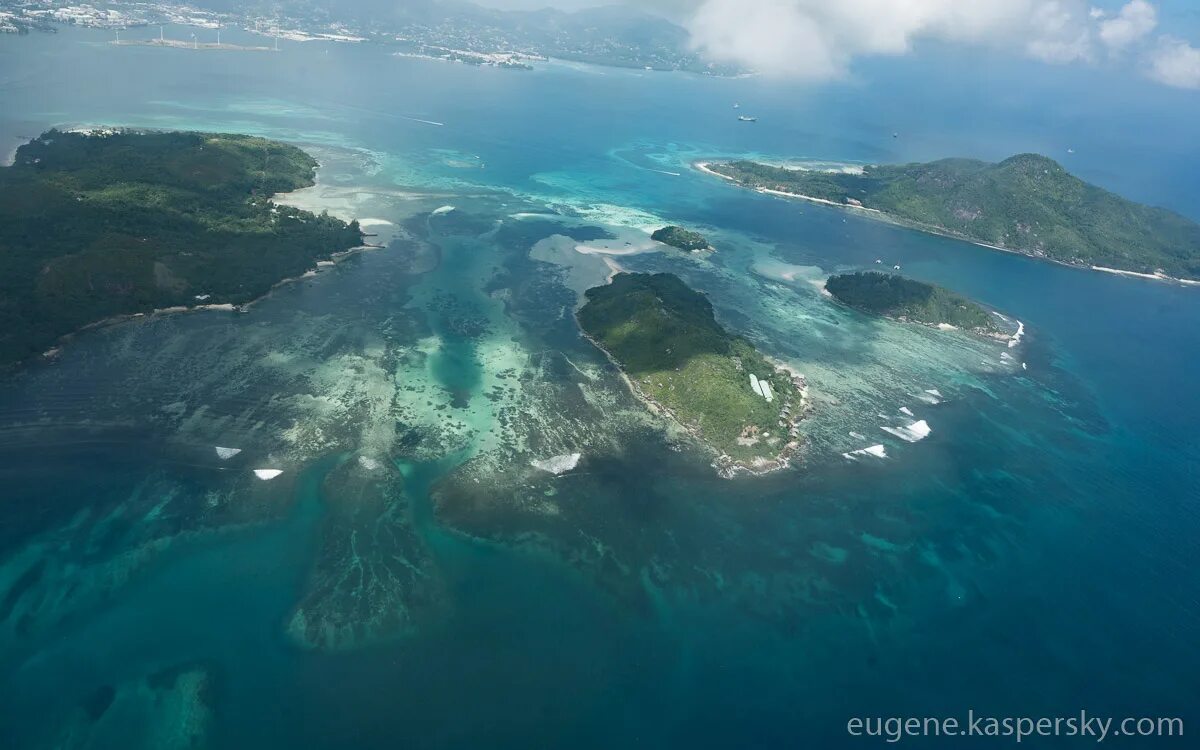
[{"x": 703, "y": 167}]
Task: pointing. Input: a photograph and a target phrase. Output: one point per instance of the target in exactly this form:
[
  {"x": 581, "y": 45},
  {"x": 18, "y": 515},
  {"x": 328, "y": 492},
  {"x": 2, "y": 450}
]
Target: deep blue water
[{"x": 1035, "y": 556}]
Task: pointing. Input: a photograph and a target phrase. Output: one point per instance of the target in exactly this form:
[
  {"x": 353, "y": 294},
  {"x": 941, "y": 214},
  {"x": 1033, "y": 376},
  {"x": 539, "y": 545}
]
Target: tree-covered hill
[
  {"x": 1027, "y": 203},
  {"x": 898, "y": 297},
  {"x": 684, "y": 239},
  {"x": 96, "y": 225},
  {"x": 665, "y": 338}
]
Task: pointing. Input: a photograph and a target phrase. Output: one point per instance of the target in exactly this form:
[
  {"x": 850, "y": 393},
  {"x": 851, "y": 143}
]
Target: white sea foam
[
  {"x": 906, "y": 411},
  {"x": 442, "y": 210},
  {"x": 368, "y": 463},
  {"x": 1016, "y": 338},
  {"x": 227, "y": 453},
  {"x": 930, "y": 396},
  {"x": 266, "y": 474},
  {"x": 858, "y": 436},
  {"x": 558, "y": 464},
  {"x": 877, "y": 451},
  {"x": 374, "y": 223},
  {"x": 612, "y": 215},
  {"x": 918, "y": 430}
]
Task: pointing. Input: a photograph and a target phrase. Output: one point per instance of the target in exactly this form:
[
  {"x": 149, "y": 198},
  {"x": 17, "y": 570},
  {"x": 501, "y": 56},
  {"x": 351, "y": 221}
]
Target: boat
[{"x": 746, "y": 118}]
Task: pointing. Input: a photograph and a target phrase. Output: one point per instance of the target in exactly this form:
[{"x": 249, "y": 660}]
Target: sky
[{"x": 820, "y": 40}]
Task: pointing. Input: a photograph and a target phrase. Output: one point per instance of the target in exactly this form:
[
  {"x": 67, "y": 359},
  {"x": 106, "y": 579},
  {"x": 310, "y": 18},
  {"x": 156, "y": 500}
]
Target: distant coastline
[
  {"x": 192, "y": 45},
  {"x": 704, "y": 167}
]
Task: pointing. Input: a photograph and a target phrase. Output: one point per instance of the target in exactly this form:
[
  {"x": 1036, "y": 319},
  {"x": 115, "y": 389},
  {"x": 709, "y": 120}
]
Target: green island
[
  {"x": 95, "y": 225},
  {"x": 684, "y": 239},
  {"x": 1027, "y": 203},
  {"x": 905, "y": 299},
  {"x": 676, "y": 356}
]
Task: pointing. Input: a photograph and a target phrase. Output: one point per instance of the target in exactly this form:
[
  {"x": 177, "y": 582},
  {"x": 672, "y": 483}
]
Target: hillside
[
  {"x": 93, "y": 226},
  {"x": 1027, "y": 203},
  {"x": 681, "y": 238},
  {"x": 664, "y": 337},
  {"x": 908, "y": 299}
]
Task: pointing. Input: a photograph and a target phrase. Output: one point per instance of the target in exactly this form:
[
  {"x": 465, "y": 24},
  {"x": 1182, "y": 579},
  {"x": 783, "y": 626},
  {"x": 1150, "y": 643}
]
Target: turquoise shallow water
[{"x": 1033, "y": 556}]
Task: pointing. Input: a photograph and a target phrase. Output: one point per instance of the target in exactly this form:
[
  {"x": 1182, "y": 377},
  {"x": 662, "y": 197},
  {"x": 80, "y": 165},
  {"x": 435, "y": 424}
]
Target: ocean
[{"x": 411, "y": 580}]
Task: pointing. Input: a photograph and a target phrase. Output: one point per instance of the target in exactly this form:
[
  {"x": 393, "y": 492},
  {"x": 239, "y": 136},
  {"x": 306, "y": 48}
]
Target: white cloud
[
  {"x": 819, "y": 39},
  {"x": 1175, "y": 63},
  {"x": 1058, "y": 34},
  {"x": 766, "y": 35},
  {"x": 1133, "y": 23}
]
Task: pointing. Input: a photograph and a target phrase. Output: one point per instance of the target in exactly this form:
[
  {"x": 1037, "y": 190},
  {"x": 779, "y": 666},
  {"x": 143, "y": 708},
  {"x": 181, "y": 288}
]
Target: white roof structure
[{"x": 754, "y": 384}]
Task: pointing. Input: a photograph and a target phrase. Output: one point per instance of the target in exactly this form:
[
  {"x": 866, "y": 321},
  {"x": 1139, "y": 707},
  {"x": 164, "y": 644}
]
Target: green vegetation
[
  {"x": 665, "y": 338},
  {"x": 898, "y": 297},
  {"x": 684, "y": 239},
  {"x": 93, "y": 226},
  {"x": 1027, "y": 203}
]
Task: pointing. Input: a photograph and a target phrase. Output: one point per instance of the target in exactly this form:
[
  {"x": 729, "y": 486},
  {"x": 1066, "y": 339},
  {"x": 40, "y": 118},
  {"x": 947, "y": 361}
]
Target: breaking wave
[{"x": 918, "y": 430}]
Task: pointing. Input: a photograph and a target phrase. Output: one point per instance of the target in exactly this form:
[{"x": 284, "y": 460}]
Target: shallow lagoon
[{"x": 410, "y": 576}]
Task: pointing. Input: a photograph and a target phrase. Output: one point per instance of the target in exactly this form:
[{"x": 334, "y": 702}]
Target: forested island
[
  {"x": 94, "y": 225},
  {"x": 1027, "y": 203},
  {"x": 909, "y": 300},
  {"x": 664, "y": 337},
  {"x": 684, "y": 239}
]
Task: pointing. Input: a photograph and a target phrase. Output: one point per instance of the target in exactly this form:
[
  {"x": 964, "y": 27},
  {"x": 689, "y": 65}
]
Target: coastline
[
  {"x": 875, "y": 213},
  {"x": 1011, "y": 339},
  {"x": 325, "y": 261},
  {"x": 243, "y": 307}
]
